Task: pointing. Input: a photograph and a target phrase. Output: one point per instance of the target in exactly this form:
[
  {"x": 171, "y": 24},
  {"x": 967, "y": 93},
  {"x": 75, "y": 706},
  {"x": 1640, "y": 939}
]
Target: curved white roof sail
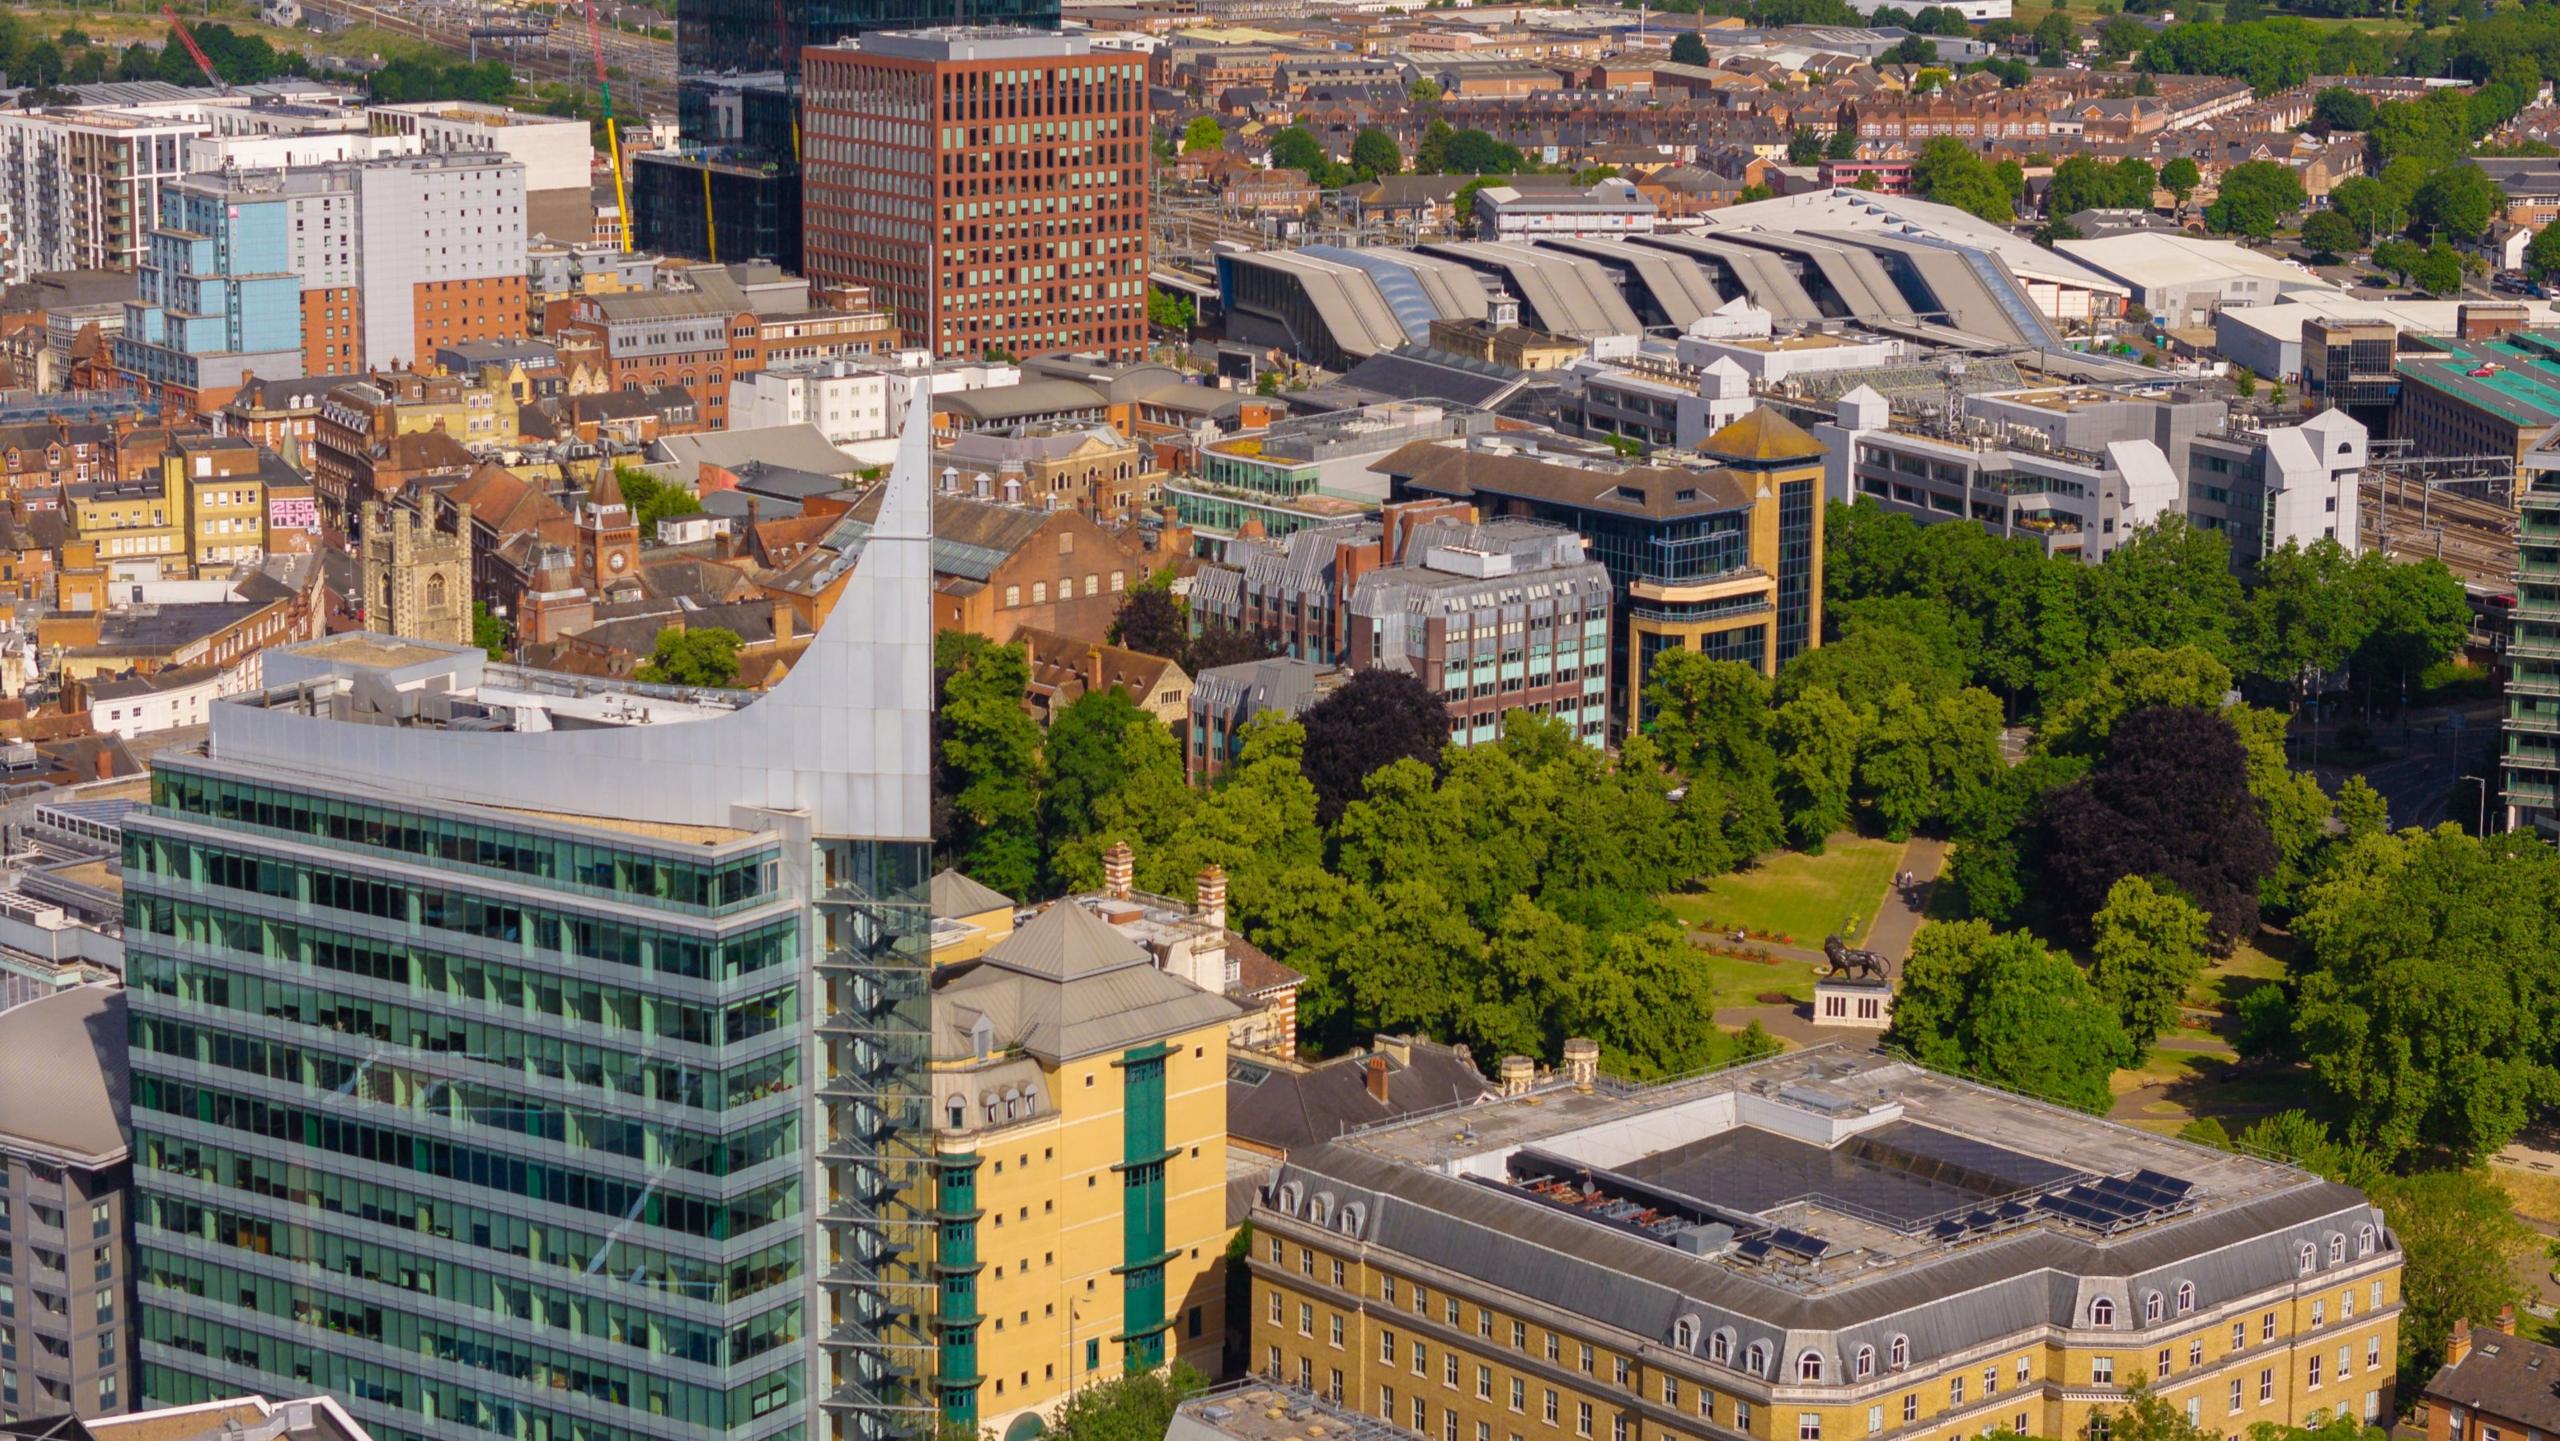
[{"x": 845, "y": 740}]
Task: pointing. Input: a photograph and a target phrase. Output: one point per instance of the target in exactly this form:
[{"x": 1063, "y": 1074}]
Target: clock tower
[{"x": 608, "y": 535}]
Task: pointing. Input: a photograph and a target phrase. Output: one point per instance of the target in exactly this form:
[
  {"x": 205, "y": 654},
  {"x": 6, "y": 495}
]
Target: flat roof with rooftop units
[{"x": 1827, "y": 1202}]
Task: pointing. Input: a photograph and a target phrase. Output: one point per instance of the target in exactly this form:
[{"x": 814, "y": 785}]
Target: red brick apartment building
[{"x": 989, "y": 185}]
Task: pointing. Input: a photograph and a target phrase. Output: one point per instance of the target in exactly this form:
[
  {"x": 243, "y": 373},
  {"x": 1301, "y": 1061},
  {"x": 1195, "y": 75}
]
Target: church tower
[
  {"x": 608, "y": 535},
  {"x": 416, "y": 571}
]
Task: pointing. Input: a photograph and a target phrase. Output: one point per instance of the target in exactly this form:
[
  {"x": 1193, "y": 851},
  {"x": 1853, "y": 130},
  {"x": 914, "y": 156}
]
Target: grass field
[
  {"x": 2536, "y": 1194},
  {"x": 1743, "y": 983},
  {"x": 1806, "y": 897}
]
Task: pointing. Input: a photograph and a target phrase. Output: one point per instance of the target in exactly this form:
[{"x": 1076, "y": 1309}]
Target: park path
[{"x": 1905, "y": 906}]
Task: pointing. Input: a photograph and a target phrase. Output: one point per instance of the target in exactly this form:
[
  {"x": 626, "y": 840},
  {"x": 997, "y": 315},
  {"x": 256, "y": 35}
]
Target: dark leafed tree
[
  {"x": 1218, "y": 645},
  {"x": 1151, "y": 622},
  {"x": 1376, "y": 718},
  {"x": 2170, "y": 799}
]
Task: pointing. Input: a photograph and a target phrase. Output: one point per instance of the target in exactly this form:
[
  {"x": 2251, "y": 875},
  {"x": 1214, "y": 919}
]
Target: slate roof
[
  {"x": 1066, "y": 985},
  {"x": 2504, "y": 1377},
  {"x": 1288, "y": 1110},
  {"x": 954, "y": 895}
]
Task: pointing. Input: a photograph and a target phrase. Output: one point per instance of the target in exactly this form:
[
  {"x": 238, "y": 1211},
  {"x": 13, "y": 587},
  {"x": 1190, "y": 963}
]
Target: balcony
[{"x": 2539, "y": 795}]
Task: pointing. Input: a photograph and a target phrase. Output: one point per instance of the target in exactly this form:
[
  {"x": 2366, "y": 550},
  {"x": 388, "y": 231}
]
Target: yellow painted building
[
  {"x": 1829, "y": 1246},
  {"x": 1080, "y": 1125},
  {"x": 969, "y": 919},
  {"x": 206, "y": 509}
]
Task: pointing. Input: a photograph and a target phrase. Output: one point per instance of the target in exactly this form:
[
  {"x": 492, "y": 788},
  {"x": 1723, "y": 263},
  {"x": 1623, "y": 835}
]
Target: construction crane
[
  {"x": 195, "y": 50},
  {"x": 612, "y": 136}
]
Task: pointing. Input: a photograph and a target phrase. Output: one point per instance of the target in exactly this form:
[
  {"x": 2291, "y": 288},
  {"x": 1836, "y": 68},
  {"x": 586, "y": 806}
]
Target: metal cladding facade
[{"x": 556, "y": 1080}]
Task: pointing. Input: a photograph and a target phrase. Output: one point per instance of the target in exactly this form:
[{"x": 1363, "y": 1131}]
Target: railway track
[
  {"x": 563, "y": 56},
  {"x": 2475, "y": 538}
]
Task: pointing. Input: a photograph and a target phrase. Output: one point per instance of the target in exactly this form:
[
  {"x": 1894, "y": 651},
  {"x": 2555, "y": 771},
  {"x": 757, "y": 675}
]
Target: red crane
[{"x": 194, "y": 49}]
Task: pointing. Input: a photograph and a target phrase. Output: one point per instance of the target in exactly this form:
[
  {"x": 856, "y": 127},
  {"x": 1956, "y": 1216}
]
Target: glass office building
[{"x": 519, "y": 1056}]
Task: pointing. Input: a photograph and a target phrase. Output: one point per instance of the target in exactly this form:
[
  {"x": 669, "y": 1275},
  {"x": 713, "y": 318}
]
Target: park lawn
[
  {"x": 1742, "y": 983},
  {"x": 2536, "y": 1194},
  {"x": 1803, "y": 896}
]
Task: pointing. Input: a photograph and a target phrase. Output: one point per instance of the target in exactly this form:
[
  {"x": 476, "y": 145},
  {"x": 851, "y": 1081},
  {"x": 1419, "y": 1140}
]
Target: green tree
[
  {"x": 2438, "y": 272},
  {"x": 1817, "y": 737},
  {"x": 2167, "y": 586},
  {"x": 1374, "y": 153},
  {"x": 1203, "y": 133},
  {"x": 2428, "y": 1009},
  {"x": 1424, "y": 91},
  {"x": 2375, "y": 208},
  {"x": 2542, "y": 253},
  {"x": 651, "y": 500},
  {"x": 1805, "y": 147},
  {"x": 1711, "y": 720},
  {"x": 2460, "y": 1245},
  {"x": 1922, "y": 757},
  {"x": 2400, "y": 258},
  {"x": 1998, "y": 1005},
  {"x": 2244, "y": 381},
  {"x": 1135, "y": 1407},
  {"x": 488, "y": 631},
  {"x": 2459, "y": 200},
  {"x": 2326, "y": 232},
  {"x": 2180, "y": 178},
  {"x": 1431, "y": 154},
  {"x": 987, "y": 761},
  {"x": 1295, "y": 148},
  {"x": 1688, "y": 49},
  {"x": 1843, "y": 144},
  {"x": 2256, "y": 197},
  {"x": 2339, "y": 108},
  {"x": 1949, "y": 172},
  {"x": 1086, "y": 762},
  {"x": 707, "y": 657},
  {"x": 1169, "y": 311},
  {"x": 2055, "y": 36},
  {"x": 2149, "y": 947}
]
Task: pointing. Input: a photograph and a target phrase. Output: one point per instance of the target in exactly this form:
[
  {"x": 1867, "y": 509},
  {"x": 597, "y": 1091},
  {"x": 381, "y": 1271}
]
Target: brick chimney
[
  {"x": 1119, "y": 868},
  {"x": 1519, "y": 1074},
  {"x": 107, "y": 770},
  {"x": 1209, "y": 894},
  {"x": 2458, "y": 1345},
  {"x": 1582, "y": 1062},
  {"x": 1378, "y": 1079},
  {"x": 785, "y": 620},
  {"x": 2507, "y": 1320}
]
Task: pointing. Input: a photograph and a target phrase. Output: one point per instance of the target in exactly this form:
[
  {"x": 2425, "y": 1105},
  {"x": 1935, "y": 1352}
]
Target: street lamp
[{"x": 2483, "y": 825}]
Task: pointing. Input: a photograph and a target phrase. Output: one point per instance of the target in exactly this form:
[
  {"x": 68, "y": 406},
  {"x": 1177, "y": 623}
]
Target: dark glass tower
[{"x": 743, "y": 37}]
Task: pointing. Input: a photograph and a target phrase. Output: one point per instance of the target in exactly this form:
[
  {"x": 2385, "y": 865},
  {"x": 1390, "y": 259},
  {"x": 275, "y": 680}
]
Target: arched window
[
  {"x": 2102, "y": 1313},
  {"x": 2186, "y": 1297},
  {"x": 959, "y": 1113},
  {"x": 2337, "y": 1248},
  {"x": 2309, "y": 1255},
  {"x": 1756, "y": 1359},
  {"x": 1809, "y": 1366},
  {"x": 1720, "y": 1347},
  {"x": 2364, "y": 1240},
  {"x": 1352, "y": 1216},
  {"x": 1866, "y": 1363},
  {"x": 1898, "y": 1352},
  {"x": 435, "y": 592},
  {"x": 1684, "y": 1333},
  {"x": 1289, "y": 1195},
  {"x": 1320, "y": 1211},
  {"x": 2151, "y": 1309}
]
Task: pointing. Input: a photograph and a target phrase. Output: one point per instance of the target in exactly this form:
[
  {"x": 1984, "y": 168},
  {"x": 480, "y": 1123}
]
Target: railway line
[
  {"x": 2474, "y": 537},
  {"x": 560, "y": 56}
]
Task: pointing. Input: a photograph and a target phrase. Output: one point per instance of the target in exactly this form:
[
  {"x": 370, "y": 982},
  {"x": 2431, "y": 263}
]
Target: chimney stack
[
  {"x": 1209, "y": 895},
  {"x": 2458, "y": 1345},
  {"x": 1582, "y": 1062},
  {"x": 1378, "y": 1079},
  {"x": 1119, "y": 868},
  {"x": 2507, "y": 1320},
  {"x": 1519, "y": 1074}
]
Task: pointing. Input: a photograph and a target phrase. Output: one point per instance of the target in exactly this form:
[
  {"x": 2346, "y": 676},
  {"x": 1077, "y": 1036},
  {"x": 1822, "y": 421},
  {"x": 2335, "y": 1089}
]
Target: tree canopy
[
  {"x": 707, "y": 657},
  {"x": 1374, "y": 719},
  {"x": 1998, "y": 1005}
]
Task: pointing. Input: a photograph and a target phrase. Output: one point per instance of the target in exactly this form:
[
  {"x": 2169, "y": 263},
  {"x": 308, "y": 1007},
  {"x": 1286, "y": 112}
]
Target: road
[{"x": 2423, "y": 782}]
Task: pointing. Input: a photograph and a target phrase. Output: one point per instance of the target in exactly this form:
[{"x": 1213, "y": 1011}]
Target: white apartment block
[{"x": 79, "y": 190}]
